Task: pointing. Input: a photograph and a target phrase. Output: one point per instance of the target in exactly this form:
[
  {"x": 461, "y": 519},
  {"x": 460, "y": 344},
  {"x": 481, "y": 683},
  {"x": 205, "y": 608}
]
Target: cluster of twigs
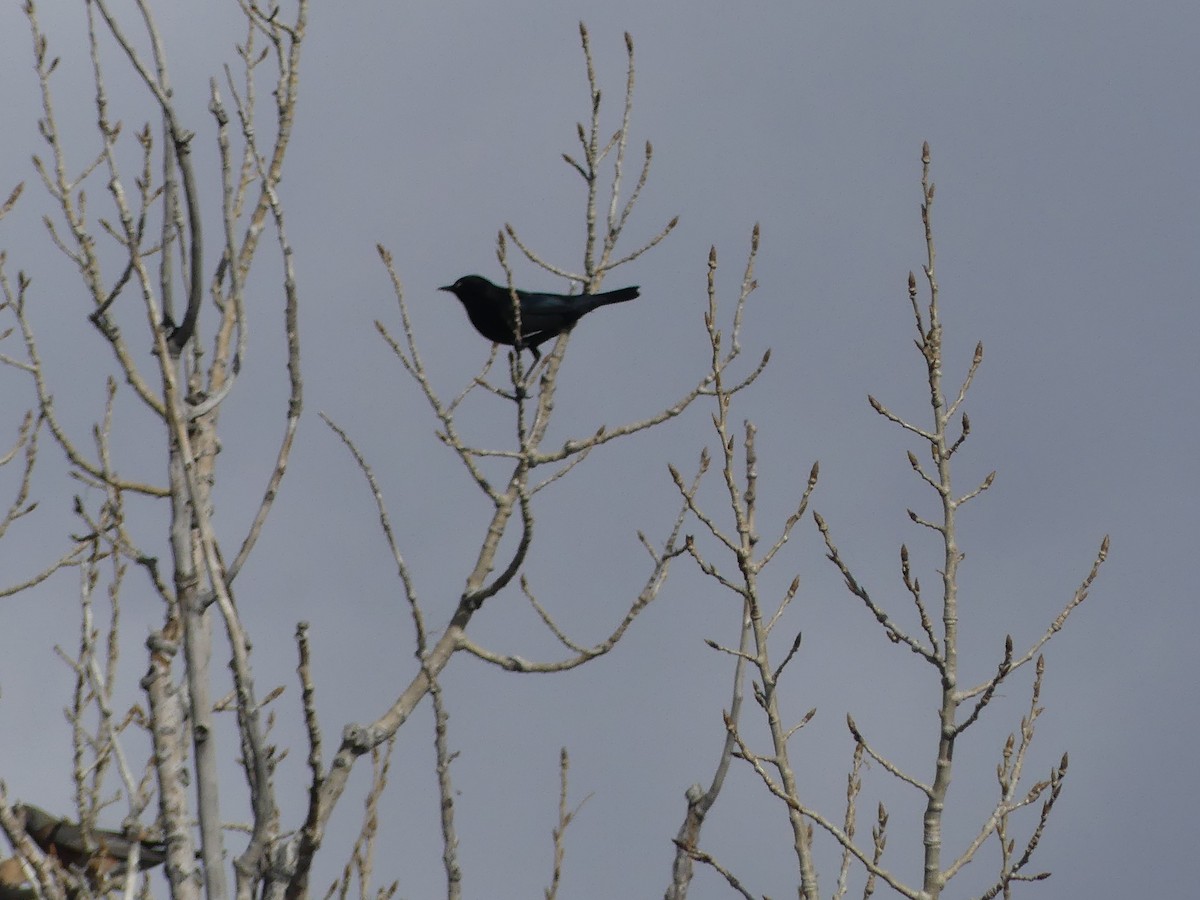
[
  {"x": 937, "y": 645},
  {"x": 512, "y": 498},
  {"x": 156, "y": 232}
]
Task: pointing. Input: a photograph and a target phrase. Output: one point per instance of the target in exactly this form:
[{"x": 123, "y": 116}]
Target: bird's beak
[{"x": 446, "y": 287}]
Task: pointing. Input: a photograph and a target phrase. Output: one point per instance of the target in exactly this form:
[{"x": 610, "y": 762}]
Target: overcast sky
[{"x": 1065, "y": 140}]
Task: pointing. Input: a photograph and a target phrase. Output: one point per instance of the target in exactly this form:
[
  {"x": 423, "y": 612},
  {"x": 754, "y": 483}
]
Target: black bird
[{"x": 490, "y": 309}]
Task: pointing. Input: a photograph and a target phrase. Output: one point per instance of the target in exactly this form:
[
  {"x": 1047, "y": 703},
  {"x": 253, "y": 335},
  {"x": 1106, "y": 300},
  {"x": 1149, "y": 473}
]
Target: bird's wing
[
  {"x": 111, "y": 848},
  {"x": 547, "y": 312}
]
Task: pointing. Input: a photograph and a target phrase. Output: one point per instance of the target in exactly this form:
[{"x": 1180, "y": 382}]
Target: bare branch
[
  {"x": 445, "y": 791},
  {"x": 389, "y": 535},
  {"x": 708, "y": 860},
  {"x": 565, "y": 817},
  {"x": 893, "y": 631},
  {"x": 892, "y": 769},
  {"x": 1056, "y": 626}
]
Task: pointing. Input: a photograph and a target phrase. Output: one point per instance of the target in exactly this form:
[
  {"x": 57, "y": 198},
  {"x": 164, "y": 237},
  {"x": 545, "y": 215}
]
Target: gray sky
[{"x": 1065, "y": 139}]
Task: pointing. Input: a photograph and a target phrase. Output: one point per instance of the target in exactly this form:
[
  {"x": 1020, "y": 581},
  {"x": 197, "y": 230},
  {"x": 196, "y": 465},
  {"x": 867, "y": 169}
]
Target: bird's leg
[
  {"x": 532, "y": 370},
  {"x": 520, "y": 377}
]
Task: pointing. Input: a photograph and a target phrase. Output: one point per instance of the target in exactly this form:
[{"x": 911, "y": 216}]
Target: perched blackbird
[
  {"x": 490, "y": 309},
  {"x": 109, "y": 854}
]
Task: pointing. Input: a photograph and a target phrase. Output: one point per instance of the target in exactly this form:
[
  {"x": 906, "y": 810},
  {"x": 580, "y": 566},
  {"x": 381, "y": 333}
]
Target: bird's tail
[{"x": 603, "y": 299}]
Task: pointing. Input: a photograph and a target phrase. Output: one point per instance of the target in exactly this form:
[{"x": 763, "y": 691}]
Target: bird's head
[
  {"x": 37, "y": 820},
  {"x": 468, "y": 286}
]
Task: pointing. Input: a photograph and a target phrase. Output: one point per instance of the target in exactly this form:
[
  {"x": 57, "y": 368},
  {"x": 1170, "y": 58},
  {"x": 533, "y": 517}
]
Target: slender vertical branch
[
  {"x": 939, "y": 447},
  {"x": 939, "y": 646},
  {"x": 445, "y": 792},
  {"x": 565, "y": 817}
]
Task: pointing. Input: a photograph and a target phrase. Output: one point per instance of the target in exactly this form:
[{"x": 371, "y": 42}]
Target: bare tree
[
  {"x": 531, "y": 465},
  {"x": 153, "y": 241},
  {"x": 143, "y": 264},
  {"x": 937, "y": 645}
]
